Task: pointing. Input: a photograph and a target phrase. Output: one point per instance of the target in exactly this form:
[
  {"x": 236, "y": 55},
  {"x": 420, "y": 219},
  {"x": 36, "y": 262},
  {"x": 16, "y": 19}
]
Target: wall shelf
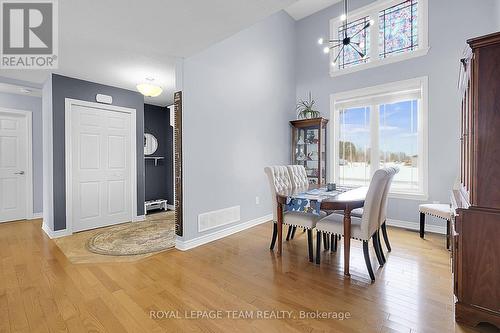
[{"x": 155, "y": 158}]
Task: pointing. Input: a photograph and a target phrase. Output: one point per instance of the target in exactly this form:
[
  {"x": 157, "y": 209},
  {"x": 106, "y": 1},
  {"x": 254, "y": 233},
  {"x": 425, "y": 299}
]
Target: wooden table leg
[
  {"x": 280, "y": 228},
  {"x": 347, "y": 240}
]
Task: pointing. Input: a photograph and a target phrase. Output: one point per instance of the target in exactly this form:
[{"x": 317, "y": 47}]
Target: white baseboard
[
  {"x": 437, "y": 229},
  {"x": 195, "y": 242},
  {"x": 35, "y": 216},
  {"x": 139, "y": 218},
  {"x": 55, "y": 234}
]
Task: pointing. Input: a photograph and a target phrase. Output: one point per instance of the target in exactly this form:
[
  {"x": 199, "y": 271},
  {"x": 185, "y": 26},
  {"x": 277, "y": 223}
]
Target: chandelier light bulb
[
  {"x": 343, "y": 17},
  {"x": 326, "y": 49},
  {"x": 334, "y": 64},
  {"x": 372, "y": 22},
  {"x": 320, "y": 41}
]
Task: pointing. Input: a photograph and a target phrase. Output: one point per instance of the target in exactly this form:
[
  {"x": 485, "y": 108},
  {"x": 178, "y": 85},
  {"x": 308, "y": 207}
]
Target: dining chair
[
  {"x": 298, "y": 176},
  {"x": 299, "y": 179},
  {"x": 358, "y": 212},
  {"x": 279, "y": 180},
  {"x": 383, "y": 213},
  {"x": 362, "y": 228}
]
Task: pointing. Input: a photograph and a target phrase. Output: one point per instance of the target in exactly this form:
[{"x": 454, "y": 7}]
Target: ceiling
[
  {"x": 120, "y": 43},
  {"x": 303, "y": 8}
]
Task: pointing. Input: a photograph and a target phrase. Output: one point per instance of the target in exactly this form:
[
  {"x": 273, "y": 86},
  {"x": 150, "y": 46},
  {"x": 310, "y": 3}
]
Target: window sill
[
  {"x": 409, "y": 196},
  {"x": 380, "y": 62}
]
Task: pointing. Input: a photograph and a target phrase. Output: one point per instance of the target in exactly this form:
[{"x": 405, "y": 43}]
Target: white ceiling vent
[{"x": 217, "y": 218}]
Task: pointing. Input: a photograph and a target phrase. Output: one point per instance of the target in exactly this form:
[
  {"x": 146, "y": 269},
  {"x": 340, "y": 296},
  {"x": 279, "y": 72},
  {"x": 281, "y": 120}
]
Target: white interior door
[
  {"x": 13, "y": 166},
  {"x": 101, "y": 167}
]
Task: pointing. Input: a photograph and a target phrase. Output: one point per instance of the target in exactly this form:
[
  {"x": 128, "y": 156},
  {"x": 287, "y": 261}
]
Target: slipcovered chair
[
  {"x": 298, "y": 176},
  {"x": 279, "y": 180},
  {"x": 362, "y": 228},
  {"x": 358, "y": 212},
  {"x": 442, "y": 211}
]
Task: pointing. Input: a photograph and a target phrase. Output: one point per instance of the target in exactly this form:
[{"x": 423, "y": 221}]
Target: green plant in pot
[{"x": 305, "y": 109}]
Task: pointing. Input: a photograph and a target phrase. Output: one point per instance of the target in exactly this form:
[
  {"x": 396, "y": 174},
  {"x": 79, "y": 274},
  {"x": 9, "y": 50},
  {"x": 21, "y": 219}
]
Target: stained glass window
[
  {"x": 398, "y": 29},
  {"x": 349, "y": 56}
]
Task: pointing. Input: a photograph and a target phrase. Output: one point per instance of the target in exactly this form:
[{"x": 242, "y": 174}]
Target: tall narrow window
[
  {"x": 379, "y": 127},
  {"x": 398, "y": 28},
  {"x": 398, "y": 145},
  {"x": 354, "y": 146}
]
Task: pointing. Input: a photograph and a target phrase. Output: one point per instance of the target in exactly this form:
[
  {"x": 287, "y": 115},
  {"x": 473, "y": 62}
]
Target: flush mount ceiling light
[
  {"x": 346, "y": 41},
  {"x": 149, "y": 89}
]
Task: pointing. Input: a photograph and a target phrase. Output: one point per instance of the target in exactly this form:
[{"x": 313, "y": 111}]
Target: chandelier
[{"x": 346, "y": 41}]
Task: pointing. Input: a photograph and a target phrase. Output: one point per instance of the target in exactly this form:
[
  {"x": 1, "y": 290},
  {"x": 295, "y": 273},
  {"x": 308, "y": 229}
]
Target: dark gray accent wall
[
  {"x": 65, "y": 87},
  {"x": 159, "y": 179}
]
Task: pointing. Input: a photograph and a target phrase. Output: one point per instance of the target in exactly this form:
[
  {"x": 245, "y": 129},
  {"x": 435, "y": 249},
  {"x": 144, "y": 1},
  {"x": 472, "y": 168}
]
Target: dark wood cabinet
[
  {"x": 476, "y": 204},
  {"x": 309, "y": 147}
]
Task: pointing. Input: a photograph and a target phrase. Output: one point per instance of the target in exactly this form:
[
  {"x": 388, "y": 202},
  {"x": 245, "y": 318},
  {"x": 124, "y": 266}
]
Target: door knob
[{"x": 19, "y": 173}]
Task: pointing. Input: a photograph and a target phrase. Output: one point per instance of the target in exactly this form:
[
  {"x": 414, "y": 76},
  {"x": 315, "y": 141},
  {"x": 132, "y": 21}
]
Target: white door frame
[
  {"x": 69, "y": 103},
  {"x": 29, "y": 158}
]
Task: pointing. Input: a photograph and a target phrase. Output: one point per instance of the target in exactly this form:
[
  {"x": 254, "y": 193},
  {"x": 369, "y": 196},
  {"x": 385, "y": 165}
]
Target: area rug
[{"x": 153, "y": 235}]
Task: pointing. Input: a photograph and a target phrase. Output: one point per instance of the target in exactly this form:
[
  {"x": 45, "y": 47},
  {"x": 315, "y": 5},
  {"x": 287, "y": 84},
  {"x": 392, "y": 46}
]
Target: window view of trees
[{"x": 396, "y": 132}]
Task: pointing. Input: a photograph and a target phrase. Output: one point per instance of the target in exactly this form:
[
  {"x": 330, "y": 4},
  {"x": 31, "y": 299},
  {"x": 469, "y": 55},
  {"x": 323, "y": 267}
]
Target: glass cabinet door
[{"x": 309, "y": 149}]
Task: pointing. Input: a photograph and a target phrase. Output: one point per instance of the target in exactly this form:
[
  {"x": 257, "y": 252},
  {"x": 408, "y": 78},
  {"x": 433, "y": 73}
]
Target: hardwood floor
[{"x": 42, "y": 291}]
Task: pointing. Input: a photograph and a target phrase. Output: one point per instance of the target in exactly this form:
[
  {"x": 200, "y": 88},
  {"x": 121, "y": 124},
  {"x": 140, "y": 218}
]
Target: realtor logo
[{"x": 29, "y": 34}]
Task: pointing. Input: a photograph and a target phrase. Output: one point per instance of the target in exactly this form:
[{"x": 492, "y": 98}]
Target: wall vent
[{"x": 217, "y": 218}]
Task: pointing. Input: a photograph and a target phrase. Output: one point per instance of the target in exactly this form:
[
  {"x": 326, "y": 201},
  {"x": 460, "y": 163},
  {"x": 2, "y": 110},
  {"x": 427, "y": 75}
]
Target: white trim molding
[
  {"x": 69, "y": 103},
  {"x": 437, "y": 229},
  {"x": 55, "y": 234},
  {"x": 198, "y": 241},
  {"x": 29, "y": 157},
  {"x": 139, "y": 218},
  {"x": 372, "y": 11},
  {"x": 36, "y": 216},
  {"x": 416, "y": 88}
]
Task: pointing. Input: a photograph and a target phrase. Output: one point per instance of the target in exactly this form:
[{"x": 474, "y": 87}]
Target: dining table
[{"x": 341, "y": 199}]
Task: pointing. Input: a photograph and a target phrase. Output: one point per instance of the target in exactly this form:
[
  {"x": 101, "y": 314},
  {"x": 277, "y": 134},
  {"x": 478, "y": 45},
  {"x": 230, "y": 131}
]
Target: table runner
[{"x": 310, "y": 201}]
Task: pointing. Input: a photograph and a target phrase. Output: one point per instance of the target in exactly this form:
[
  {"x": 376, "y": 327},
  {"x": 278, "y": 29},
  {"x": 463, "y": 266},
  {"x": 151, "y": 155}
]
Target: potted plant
[{"x": 305, "y": 109}]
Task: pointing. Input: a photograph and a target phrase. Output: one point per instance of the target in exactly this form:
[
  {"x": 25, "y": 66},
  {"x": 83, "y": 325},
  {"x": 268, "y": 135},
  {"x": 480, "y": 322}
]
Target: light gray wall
[
  {"x": 33, "y": 104},
  {"x": 451, "y": 22},
  {"x": 66, "y": 87},
  {"x": 238, "y": 96},
  {"x": 497, "y": 15}
]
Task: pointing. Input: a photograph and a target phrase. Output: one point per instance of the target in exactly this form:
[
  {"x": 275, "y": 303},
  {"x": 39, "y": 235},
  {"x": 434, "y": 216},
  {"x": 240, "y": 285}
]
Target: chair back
[
  {"x": 279, "y": 180},
  {"x": 298, "y": 176},
  {"x": 383, "y": 210},
  {"x": 371, "y": 211}
]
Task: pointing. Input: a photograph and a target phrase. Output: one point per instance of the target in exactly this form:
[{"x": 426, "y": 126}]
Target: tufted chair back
[
  {"x": 279, "y": 180},
  {"x": 298, "y": 176},
  {"x": 383, "y": 211},
  {"x": 371, "y": 211}
]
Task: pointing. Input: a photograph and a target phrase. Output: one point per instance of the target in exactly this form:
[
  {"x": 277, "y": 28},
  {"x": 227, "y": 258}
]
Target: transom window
[
  {"x": 360, "y": 40},
  {"x": 398, "y": 28},
  {"x": 379, "y": 127},
  {"x": 398, "y": 33}
]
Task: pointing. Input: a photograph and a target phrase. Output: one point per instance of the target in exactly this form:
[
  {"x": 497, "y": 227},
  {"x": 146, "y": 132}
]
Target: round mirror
[{"x": 150, "y": 144}]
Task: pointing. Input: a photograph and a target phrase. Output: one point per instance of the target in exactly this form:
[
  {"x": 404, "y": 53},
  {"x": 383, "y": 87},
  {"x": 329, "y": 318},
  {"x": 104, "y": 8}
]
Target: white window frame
[
  {"x": 372, "y": 10},
  {"x": 423, "y": 150}
]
